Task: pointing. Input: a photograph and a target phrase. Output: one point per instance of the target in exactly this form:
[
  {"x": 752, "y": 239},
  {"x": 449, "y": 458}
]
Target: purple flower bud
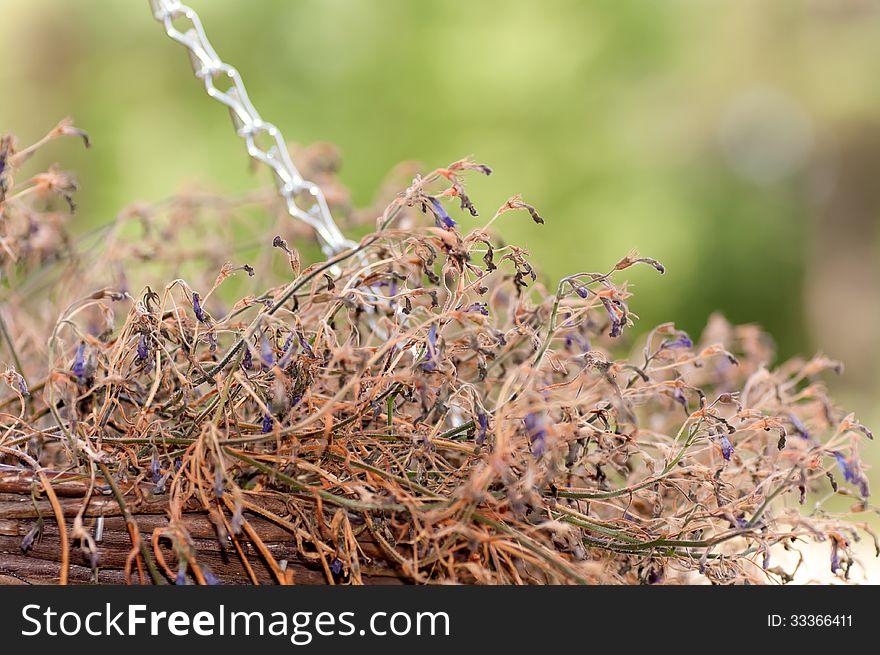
[
  {"x": 247, "y": 361},
  {"x": 305, "y": 345},
  {"x": 218, "y": 482},
  {"x": 79, "y": 362},
  {"x": 28, "y": 542},
  {"x": 835, "y": 556},
  {"x": 267, "y": 423},
  {"x": 237, "y": 520},
  {"x": 481, "y": 307},
  {"x": 580, "y": 342},
  {"x": 160, "y": 485},
  {"x": 850, "y": 474},
  {"x": 799, "y": 427},
  {"x": 336, "y": 566},
  {"x": 617, "y": 322},
  {"x": 210, "y": 578},
  {"x": 683, "y": 341},
  {"x": 143, "y": 348},
  {"x": 582, "y": 291},
  {"x": 22, "y": 385},
  {"x": 536, "y": 432},
  {"x": 267, "y": 354},
  {"x": 681, "y": 399},
  {"x": 482, "y": 426},
  {"x": 441, "y": 217},
  {"x": 430, "y": 363},
  {"x": 726, "y": 447},
  {"x": 155, "y": 470},
  {"x": 197, "y": 308},
  {"x": 181, "y": 577}
]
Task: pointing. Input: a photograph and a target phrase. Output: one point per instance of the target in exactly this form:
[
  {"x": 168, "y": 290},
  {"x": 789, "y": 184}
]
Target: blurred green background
[{"x": 737, "y": 142}]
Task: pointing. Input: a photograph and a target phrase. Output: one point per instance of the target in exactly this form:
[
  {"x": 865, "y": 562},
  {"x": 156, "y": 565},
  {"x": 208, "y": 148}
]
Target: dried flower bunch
[{"x": 422, "y": 401}]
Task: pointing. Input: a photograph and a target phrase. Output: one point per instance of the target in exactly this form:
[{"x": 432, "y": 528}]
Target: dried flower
[
  {"x": 482, "y": 426},
  {"x": 267, "y": 353},
  {"x": 516, "y": 202},
  {"x": 481, "y": 307},
  {"x": 536, "y": 432},
  {"x": 210, "y": 578},
  {"x": 726, "y": 447},
  {"x": 430, "y": 363},
  {"x": 155, "y": 470},
  {"x": 850, "y": 473},
  {"x": 33, "y": 534},
  {"x": 683, "y": 341},
  {"x": 143, "y": 347},
  {"x": 79, "y": 362},
  {"x": 441, "y": 217},
  {"x": 197, "y": 308}
]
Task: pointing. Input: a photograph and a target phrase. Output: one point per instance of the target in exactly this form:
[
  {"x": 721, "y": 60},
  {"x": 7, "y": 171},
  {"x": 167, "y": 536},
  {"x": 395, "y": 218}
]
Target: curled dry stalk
[{"x": 423, "y": 392}]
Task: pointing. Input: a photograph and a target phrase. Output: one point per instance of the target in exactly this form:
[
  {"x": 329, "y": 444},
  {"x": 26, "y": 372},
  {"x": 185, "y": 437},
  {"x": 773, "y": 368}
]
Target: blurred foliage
[{"x": 687, "y": 129}]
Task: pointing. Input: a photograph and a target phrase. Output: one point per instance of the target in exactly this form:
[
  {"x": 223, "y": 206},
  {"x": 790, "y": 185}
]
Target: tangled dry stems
[{"x": 425, "y": 389}]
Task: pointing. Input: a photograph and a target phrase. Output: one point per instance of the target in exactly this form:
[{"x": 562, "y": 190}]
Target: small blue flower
[
  {"x": 336, "y": 566},
  {"x": 835, "y": 556},
  {"x": 582, "y": 291},
  {"x": 267, "y": 423},
  {"x": 237, "y": 521},
  {"x": 210, "y": 578},
  {"x": 28, "y": 542},
  {"x": 155, "y": 470},
  {"x": 850, "y": 474},
  {"x": 441, "y": 217},
  {"x": 143, "y": 348},
  {"x": 430, "y": 363},
  {"x": 392, "y": 291},
  {"x": 536, "y": 432},
  {"x": 181, "y": 577},
  {"x": 799, "y": 427},
  {"x": 482, "y": 426},
  {"x": 287, "y": 351},
  {"x": 726, "y": 447},
  {"x": 617, "y": 322},
  {"x": 161, "y": 483},
  {"x": 22, "y": 385},
  {"x": 481, "y": 307},
  {"x": 305, "y": 345},
  {"x": 219, "y": 489},
  {"x": 267, "y": 354},
  {"x": 683, "y": 341},
  {"x": 681, "y": 399},
  {"x": 197, "y": 308},
  {"x": 79, "y": 362},
  {"x": 573, "y": 340}
]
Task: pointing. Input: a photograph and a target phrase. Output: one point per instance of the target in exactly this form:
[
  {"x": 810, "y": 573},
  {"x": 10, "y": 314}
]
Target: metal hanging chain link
[{"x": 305, "y": 200}]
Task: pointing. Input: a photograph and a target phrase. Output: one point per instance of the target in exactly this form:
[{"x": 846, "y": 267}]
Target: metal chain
[
  {"x": 305, "y": 200},
  {"x": 208, "y": 67}
]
